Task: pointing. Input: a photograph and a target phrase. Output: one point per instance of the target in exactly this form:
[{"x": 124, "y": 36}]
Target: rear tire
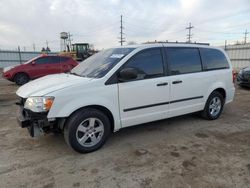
[
  {"x": 87, "y": 130},
  {"x": 214, "y": 106},
  {"x": 21, "y": 78}
]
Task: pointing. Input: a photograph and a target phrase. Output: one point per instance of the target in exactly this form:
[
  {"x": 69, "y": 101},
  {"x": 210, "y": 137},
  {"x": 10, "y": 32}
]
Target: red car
[{"x": 38, "y": 67}]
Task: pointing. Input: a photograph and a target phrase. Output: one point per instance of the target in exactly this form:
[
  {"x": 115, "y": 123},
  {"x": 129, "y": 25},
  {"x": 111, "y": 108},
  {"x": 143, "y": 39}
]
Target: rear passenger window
[
  {"x": 54, "y": 59},
  {"x": 183, "y": 60},
  {"x": 213, "y": 59},
  {"x": 64, "y": 59},
  {"x": 148, "y": 63}
]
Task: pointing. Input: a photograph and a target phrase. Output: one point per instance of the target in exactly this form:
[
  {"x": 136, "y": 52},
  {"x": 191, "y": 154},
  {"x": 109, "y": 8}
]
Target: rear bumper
[{"x": 230, "y": 95}]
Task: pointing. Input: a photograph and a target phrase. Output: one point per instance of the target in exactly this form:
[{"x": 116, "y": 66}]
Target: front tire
[
  {"x": 214, "y": 106},
  {"x": 21, "y": 78},
  {"x": 87, "y": 130}
]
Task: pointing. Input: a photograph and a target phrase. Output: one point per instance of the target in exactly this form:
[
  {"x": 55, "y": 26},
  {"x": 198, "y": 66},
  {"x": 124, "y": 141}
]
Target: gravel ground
[{"x": 186, "y": 151}]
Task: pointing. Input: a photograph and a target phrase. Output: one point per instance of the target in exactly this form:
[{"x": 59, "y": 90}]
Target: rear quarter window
[
  {"x": 213, "y": 59},
  {"x": 64, "y": 59}
]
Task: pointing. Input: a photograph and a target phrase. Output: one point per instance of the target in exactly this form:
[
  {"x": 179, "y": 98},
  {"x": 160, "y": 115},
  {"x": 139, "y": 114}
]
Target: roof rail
[{"x": 176, "y": 42}]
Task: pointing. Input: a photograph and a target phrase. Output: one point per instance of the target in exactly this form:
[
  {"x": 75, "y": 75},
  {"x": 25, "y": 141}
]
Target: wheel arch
[
  {"x": 222, "y": 91},
  {"x": 219, "y": 87},
  {"x": 21, "y": 72},
  {"x": 205, "y": 112},
  {"x": 103, "y": 109}
]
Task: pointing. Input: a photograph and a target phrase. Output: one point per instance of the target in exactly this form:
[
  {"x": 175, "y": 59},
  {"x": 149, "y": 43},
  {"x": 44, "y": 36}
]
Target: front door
[
  {"x": 145, "y": 98},
  {"x": 40, "y": 67},
  {"x": 47, "y": 65}
]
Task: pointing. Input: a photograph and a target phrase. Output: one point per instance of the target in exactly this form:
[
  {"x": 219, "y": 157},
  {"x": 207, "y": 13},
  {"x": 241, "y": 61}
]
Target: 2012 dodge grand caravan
[{"x": 125, "y": 86}]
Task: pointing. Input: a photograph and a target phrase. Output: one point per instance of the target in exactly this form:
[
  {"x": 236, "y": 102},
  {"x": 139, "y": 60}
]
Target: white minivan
[{"x": 125, "y": 86}]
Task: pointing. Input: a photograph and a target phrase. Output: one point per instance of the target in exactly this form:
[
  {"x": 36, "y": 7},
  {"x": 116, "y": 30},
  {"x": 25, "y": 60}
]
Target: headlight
[
  {"x": 39, "y": 104},
  {"x": 7, "y": 69}
]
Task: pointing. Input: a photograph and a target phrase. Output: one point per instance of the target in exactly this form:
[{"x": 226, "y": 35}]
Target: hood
[
  {"x": 5, "y": 69},
  {"x": 48, "y": 84}
]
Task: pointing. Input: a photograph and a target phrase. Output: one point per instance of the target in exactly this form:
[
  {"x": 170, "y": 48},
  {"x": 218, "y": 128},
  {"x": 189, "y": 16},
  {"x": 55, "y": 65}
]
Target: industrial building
[{"x": 239, "y": 55}]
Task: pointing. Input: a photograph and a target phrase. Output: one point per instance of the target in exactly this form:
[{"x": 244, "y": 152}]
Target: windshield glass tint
[
  {"x": 33, "y": 59},
  {"x": 101, "y": 63}
]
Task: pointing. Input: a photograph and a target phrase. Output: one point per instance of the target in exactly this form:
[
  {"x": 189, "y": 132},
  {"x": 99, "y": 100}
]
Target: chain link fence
[{"x": 239, "y": 55}]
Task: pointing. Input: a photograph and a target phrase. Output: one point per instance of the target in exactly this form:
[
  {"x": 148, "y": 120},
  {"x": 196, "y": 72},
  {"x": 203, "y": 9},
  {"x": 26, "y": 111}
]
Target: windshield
[
  {"x": 33, "y": 59},
  {"x": 101, "y": 63}
]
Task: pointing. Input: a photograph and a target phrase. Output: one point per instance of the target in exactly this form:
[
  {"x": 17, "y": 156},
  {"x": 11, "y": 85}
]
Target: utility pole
[
  {"x": 245, "y": 36},
  {"x": 122, "y": 39},
  {"x": 70, "y": 40},
  {"x": 19, "y": 55},
  {"x": 189, "y": 35},
  {"x": 34, "y": 47},
  {"x": 47, "y": 43}
]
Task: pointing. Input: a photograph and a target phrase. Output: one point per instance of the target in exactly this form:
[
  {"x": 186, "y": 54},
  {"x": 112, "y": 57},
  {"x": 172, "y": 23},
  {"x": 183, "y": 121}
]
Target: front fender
[{"x": 65, "y": 105}]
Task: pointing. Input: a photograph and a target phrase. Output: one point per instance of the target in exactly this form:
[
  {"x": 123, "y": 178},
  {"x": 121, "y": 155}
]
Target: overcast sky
[{"x": 24, "y": 22}]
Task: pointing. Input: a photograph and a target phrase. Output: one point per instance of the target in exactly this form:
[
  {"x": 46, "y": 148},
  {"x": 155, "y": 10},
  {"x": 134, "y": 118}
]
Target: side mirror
[
  {"x": 127, "y": 74},
  {"x": 33, "y": 63}
]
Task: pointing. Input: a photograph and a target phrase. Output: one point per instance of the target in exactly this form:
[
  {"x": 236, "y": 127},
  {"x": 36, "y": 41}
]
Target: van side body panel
[{"x": 98, "y": 93}]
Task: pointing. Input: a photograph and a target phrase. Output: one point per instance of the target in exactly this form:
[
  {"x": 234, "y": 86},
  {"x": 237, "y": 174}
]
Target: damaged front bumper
[{"x": 36, "y": 123}]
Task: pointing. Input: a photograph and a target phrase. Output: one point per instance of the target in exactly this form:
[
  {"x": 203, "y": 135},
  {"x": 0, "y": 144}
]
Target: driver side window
[
  {"x": 42, "y": 60},
  {"x": 148, "y": 63}
]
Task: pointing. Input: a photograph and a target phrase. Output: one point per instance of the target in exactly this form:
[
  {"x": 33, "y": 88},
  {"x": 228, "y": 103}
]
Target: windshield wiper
[
  {"x": 77, "y": 74},
  {"x": 74, "y": 73}
]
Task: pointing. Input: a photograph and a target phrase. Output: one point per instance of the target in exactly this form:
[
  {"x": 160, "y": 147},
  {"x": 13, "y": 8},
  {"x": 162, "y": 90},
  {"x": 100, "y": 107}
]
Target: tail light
[{"x": 233, "y": 76}]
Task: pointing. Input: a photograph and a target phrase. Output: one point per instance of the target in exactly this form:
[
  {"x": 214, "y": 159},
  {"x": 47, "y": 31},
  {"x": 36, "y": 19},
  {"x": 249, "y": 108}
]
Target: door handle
[
  {"x": 177, "y": 82},
  {"x": 162, "y": 84}
]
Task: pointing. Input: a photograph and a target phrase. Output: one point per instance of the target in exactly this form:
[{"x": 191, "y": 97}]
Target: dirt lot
[{"x": 185, "y": 151}]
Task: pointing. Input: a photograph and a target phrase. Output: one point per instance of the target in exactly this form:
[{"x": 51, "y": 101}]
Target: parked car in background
[
  {"x": 38, "y": 67},
  {"x": 243, "y": 78},
  {"x": 126, "y": 86}
]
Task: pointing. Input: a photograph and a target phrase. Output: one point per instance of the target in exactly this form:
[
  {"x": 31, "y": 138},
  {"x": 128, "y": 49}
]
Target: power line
[
  {"x": 189, "y": 35},
  {"x": 245, "y": 36},
  {"x": 122, "y": 39}
]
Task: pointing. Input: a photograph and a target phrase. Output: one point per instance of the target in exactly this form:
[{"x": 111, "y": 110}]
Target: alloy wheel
[
  {"x": 90, "y": 132},
  {"x": 215, "y": 106}
]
